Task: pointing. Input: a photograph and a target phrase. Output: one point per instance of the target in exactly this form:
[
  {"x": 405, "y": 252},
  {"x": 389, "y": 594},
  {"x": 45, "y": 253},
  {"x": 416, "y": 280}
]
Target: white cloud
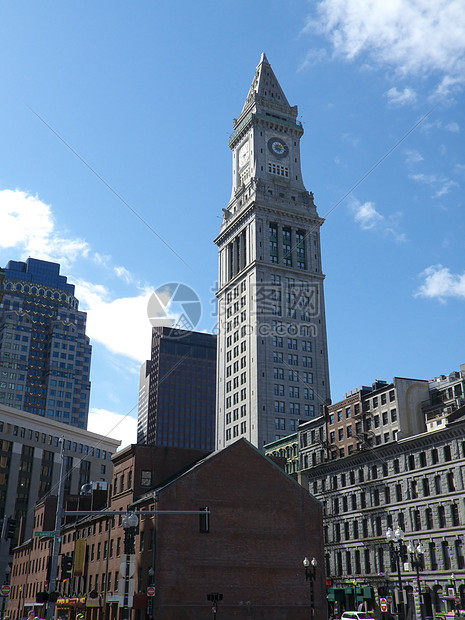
[
  {"x": 369, "y": 218},
  {"x": 440, "y": 283},
  {"x": 114, "y": 425},
  {"x": 443, "y": 184},
  {"x": 27, "y": 225},
  {"x": 413, "y": 157},
  {"x": 445, "y": 188},
  {"x": 414, "y": 37},
  {"x": 124, "y": 274},
  {"x": 119, "y": 324},
  {"x": 312, "y": 57},
  {"x": 396, "y": 97},
  {"x": 453, "y": 127},
  {"x": 366, "y": 215}
]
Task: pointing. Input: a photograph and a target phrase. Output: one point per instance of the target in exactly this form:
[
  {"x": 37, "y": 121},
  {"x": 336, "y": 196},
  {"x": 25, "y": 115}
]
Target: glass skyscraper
[
  {"x": 44, "y": 351},
  {"x": 177, "y": 390}
]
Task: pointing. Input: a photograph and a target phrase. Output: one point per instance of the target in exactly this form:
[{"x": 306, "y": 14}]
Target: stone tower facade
[{"x": 272, "y": 348}]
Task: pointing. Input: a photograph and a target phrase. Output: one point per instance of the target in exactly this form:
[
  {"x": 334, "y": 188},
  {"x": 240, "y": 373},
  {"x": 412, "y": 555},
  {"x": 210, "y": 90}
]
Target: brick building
[{"x": 262, "y": 524}]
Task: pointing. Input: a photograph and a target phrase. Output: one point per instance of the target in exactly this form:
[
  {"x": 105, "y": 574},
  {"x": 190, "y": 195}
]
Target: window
[
  {"x": 450, "y": 481},
  {"x": 445, "y": 554},
  {"x": 454, "y": 514},
  {"x": 280, "y": 424},
  {"x": 441, "y": 516},
  {"x": 429, "y": 518}
]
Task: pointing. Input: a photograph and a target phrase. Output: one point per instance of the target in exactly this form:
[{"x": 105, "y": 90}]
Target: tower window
[{"x": 278, "y": 169}]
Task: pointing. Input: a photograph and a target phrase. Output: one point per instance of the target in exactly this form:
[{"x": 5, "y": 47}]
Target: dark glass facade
[
  {"x": 44, "y": 351},
  {"x": 181, "y": 391}
]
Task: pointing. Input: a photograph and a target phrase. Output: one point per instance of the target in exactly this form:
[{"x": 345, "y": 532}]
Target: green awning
[{"x": 336, "y": 594}]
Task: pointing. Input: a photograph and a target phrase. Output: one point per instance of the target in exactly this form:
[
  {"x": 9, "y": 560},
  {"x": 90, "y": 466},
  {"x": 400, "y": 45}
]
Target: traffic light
[
  {"x": 10, "y": 528},
  {"x": 66, "y": 567}
]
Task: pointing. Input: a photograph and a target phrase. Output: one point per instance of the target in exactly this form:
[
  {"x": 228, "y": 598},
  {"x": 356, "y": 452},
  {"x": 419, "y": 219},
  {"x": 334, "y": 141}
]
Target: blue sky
[{"x": 144, "y": 93}]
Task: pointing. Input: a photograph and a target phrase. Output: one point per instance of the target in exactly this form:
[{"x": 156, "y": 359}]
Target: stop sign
[
  {"x": 457, "y": 598},
  {"x": 389, "y": 599},
  {"x": 5, "y": 590},
  {"x": 383, "y": 604},
  {"x": 151, "y": 591}
]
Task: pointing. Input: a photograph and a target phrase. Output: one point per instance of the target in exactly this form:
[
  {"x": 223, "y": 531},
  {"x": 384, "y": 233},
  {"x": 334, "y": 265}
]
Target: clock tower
[{"x": 272, "y": 348}]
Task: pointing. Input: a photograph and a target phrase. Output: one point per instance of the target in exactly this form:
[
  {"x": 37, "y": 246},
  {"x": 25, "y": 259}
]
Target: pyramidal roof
[{"x": 266, "y": 86}]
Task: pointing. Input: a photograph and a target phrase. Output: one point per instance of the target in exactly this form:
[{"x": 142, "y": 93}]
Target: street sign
[
  {"x": 151, "y": 591},
  {"x": 383, "y": 604},
  {"x": 5, "y": 590},
  {"x": 123, "y": 569},
  {"x": 389, "y": 599},
  {"x": 457, "y": 599},
  {"x": 44, "y": 534},
  {"x": 122, "y": 587}
]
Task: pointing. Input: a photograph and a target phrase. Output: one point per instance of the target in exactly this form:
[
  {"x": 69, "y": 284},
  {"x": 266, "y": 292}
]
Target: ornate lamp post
[
  {"x": 129, "y": 523},
  {"x": 395, "y": 539},
  {"x": 310, "y": 574},
  {"x": 416, "y": 558}
]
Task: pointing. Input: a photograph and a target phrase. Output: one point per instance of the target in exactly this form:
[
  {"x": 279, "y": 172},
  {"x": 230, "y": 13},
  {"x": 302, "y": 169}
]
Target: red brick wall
[{"x": 262, "y": 526}]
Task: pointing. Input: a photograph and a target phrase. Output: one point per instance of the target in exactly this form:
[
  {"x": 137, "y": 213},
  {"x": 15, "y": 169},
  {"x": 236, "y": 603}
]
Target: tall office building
[
  {"x": 177, "y": 390},
  {"x": 44, "y": 351},
  {"x": 272, "y": 347}
]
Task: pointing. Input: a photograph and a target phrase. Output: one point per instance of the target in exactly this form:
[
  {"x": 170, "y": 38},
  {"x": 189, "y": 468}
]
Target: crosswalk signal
[{"x": 66, "y": 567}]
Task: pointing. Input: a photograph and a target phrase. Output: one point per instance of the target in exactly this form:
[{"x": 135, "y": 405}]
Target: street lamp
[
  {"x": 310, "y": 574},
  {"x": 395, "y": 538},
  {"x": 416, "y": 558},
  {"x": 129, "y": 523}
]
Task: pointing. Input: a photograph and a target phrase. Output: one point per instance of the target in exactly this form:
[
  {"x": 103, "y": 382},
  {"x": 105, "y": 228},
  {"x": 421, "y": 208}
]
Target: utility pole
[{"x": 57, "y": 534}]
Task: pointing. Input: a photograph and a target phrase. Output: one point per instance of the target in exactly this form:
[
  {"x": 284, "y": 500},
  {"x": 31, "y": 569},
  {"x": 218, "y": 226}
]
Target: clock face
[
  {"x": 244, "y": 155},
  {"x": 278, "y": 147}
]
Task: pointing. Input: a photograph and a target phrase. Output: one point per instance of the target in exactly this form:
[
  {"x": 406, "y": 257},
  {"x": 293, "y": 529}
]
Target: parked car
[{"x": 358, "y": 615}]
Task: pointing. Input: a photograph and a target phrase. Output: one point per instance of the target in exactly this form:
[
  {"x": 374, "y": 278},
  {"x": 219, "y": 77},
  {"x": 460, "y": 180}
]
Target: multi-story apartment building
[
  {"x": 366, "y": 417},
  {"x": 416, "y": 483},
  {"x": 376, "y": 463},
  {"x": 44, "y": 351},
  {"x": 288, "y": 448},
  {"x": 272, "y": 346},
  {"x": 177, "y": 390},
  {"x": 447, "y": 395},
  {"x": 30, "y": 465}
]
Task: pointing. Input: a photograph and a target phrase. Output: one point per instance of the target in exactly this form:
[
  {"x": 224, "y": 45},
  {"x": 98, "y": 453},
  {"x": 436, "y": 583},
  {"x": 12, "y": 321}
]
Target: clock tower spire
[{"x": 272, "y": 347}]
